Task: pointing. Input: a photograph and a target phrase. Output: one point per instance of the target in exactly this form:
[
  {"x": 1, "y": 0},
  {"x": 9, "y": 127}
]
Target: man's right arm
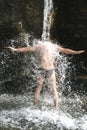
[{"x": 23, "y": 49}]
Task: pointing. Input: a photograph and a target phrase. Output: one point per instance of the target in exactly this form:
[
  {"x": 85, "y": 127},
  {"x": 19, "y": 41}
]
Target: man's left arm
[{"x": 69, "y": 51}]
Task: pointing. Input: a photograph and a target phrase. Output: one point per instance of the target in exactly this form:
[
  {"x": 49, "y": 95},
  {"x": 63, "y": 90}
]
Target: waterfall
[
  {"x": 16, "y": 101},
  {"x": 48, "y": 6}
]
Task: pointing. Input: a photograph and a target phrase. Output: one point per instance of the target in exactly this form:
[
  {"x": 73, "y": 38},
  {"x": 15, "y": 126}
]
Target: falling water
[
  {"x": 18, "y": 111},
  {"x": 48, "y": 6}
]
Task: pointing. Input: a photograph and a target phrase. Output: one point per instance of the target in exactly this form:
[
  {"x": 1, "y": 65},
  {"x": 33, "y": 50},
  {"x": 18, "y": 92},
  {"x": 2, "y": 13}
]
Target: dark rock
[{"x": 16, "y": 16}]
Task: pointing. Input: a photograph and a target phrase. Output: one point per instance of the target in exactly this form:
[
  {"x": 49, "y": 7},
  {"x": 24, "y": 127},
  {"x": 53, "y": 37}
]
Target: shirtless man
[{"x": 46, "y": 52}]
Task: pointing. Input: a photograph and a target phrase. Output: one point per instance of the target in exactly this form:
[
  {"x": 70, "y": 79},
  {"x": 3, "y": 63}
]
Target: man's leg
[
  {"x": 38, "y": 89},
  {"x": 52, "y": 82}
]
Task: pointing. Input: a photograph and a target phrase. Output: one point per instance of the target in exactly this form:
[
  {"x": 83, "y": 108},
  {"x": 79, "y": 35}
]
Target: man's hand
[
  {"x": 82, "y": 51},
  {"x": 11, "y": 48}
]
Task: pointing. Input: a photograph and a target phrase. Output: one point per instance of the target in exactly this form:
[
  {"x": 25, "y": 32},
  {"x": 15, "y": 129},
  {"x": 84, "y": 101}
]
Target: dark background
[{"x": 70, "y": 26}]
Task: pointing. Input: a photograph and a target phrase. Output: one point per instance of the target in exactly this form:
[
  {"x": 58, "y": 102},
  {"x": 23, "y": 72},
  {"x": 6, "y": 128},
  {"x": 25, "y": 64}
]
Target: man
[{"x": 47, "y": 52}]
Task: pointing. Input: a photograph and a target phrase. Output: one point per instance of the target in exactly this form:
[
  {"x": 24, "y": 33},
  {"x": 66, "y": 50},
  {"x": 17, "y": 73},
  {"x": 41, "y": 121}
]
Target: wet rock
[{"x": 16, "y": 16}]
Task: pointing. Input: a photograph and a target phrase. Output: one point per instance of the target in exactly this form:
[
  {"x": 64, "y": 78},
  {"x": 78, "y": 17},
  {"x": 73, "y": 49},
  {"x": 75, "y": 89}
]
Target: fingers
[
  {"x": 11, "y": 48},
  {"x": 8, "y": 47},
  {"x": 82, "y": 51}
]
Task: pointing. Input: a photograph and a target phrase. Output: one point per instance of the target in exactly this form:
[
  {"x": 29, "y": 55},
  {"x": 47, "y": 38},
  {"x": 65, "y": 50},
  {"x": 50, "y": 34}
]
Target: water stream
[
  {"x": 48, "y": 6},
  {"x": 17, "y": 110}
]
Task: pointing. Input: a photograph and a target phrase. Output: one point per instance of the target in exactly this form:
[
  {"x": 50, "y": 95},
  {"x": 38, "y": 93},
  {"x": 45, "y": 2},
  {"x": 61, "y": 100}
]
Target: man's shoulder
[{"x": 37, "y": 46}]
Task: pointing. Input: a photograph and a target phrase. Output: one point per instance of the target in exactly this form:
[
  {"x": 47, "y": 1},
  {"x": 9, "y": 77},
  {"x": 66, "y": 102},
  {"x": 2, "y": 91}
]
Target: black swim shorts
[{"x": 46, "y": 73}]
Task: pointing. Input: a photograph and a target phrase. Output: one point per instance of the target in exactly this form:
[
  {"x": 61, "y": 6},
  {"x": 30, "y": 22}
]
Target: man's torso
[{"x": 46, "y": 53}]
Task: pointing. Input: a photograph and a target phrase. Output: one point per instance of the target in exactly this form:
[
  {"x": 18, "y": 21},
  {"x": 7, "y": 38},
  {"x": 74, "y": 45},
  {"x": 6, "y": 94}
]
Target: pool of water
[{"x": 18, "y": 111}]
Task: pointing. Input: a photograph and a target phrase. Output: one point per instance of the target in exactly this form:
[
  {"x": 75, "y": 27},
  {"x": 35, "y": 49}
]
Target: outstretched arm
[
  {"x": 23, "y": 49},
  {"x": 69, "y": 51}
]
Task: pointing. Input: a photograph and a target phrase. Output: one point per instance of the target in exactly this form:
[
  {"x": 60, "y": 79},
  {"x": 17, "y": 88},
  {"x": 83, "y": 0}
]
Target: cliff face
[
  {"x": 69, "y": 21},
  {"x": 17, "y": 15},
  {"x": 70, "y": 25}
]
